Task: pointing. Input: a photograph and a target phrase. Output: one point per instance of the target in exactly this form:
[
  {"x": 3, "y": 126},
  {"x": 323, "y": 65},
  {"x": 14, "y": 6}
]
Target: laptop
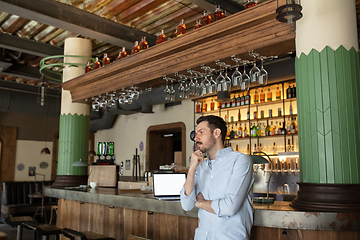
[{"x": 167, "y": 186}]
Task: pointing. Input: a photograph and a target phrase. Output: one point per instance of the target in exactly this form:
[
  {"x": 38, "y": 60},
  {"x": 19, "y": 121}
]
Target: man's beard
[{"x": 206, "y": 147}]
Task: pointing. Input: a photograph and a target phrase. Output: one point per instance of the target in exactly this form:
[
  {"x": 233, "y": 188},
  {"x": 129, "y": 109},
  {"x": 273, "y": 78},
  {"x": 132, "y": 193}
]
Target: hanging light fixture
[
  {"x": 290, "y": 12},
  {"x": 43, "y": 85}
]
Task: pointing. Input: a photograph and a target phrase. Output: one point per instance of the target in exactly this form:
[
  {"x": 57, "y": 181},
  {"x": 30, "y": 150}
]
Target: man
[{"x": 221, "y": 186}]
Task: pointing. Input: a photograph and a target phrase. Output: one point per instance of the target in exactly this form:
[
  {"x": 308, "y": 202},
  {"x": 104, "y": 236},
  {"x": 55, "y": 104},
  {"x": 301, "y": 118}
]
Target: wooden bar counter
[{"x": 120, "y": 213}]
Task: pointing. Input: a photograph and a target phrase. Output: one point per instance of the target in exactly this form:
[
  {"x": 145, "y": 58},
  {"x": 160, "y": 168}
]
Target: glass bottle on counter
[
  {"x": 218, "y": 14},
  {"x": 136, "y": 48},
  {"x": 255, "y": 114},
  {"x": 258, "y": 130},
  {"x": 282, "y": 128},
  {"x": 206, "y": 18},
  {"x": 255, "y": 148},
  {"x": 288, "y": 127},
  {"x": 248, "y": 115},
  {"x": 105, "y": 60},
  {"x": 269, "y": 96},
  {"x": 88, "y": 67},
  {"x": 143, "y": 44},
  {"x": 276, "y": 130},
  {"x": 122, "y": 54},
  {"x": 239, "y": 115},
  {"x": 228, "y": 134},
  {"x": 292, "y": 126},
  {"x": 253, "y": 130},
  {"x": 96, "y": 63},
  {"x": 161, "y": 38},
  {"x": 256, "y": 98},
  {"x": 262, "y": 130},
  {"x": 232, "y": 132},
  {"x": 180, "y": 29},
  {"x": 262, "y": 96},
  {"x": 278, "y": 94}
]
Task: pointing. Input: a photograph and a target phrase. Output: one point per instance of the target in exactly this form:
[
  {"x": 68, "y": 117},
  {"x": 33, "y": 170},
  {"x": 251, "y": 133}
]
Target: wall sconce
[{"x": 290, "y": 12}]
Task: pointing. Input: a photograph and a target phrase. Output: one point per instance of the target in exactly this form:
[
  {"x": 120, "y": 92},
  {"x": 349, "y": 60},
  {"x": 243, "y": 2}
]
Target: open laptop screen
[{"x": 168, "y": 184}]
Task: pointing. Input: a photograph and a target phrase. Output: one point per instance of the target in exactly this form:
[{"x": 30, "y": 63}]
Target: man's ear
[{"x": 217, "y": 133}]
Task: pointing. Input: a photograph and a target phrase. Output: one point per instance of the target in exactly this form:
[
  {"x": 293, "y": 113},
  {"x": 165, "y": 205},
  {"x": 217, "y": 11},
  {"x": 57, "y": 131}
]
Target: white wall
[
  {"x": 129, "y": 131},
  {"x": 28, "y": 153}
]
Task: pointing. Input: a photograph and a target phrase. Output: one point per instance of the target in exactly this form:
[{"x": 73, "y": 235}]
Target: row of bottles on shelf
[
  {"x": 290, "y": 165},
  {"x": 269, "y": 150},
  {"x": 237, "y": 101},
  {"x": 261, "y": 130}
]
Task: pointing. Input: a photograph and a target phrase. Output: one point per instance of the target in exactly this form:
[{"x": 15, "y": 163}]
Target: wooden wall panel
[{"x": 8, "y": 136}]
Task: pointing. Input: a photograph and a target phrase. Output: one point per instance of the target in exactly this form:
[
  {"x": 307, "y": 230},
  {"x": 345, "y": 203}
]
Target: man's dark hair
[{"x": 214, "y": 122}]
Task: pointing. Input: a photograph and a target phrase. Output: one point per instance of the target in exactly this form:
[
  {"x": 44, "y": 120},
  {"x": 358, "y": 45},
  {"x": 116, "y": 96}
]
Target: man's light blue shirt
[{"x": 228, "y": 184}]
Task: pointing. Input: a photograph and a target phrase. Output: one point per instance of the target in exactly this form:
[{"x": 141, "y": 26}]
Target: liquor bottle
[
  {"x": 279, "y": 112},
  {"x": 288, "y": 92},
  {"x": 262, "y": 114},
  {"x": 250, "y": 3},
  {"x": 204, "y": 107},
  {"x": 218, "y": 14},
  {"x": 198, "y": 107},
  {"x": 96, "y": 63},
  {"x": 293, "y": 92},
  {"x": 270, "y": 113},
  {"x": 239, "y": 115},
  {"x": 232, "y": 133},
  {"x": 256, "y": 98},
  {"x": 237, "y": 148},
  {"x": 227, "y": 134},
  {"x": 246, "y": 133},
  {"x": 282, "y": 128},
  {"x": 136, "y": 48},
  {"x": 291, "y": 110},
  {"x": 198, "y": 24},
  {"x": 272, "y": 129},
  {"x": 180, "y": 29},
  {"x": 288, "y": 127},
  {"x": 143, "y": 44},
  {"x": 267, "y": 129},
  {"x": 122, "y": 54},
  {"x": 247, "y": 99},
  {"x": 248, "y": 115},
  {"x": 269, "y": 96},
  {"x": 240, "y": 130},
  {"x": 288, "y": 146},
  {"x": 226, "y": 118},
  {"x": 161, "y": 38},
  {"x": 258, "y": 130},
  {"x": 238, "y": 101},
  {"x": 262, "y": 96},
  {"x": 248, "y": 149},
  {"x": 218, "y": 105},
  {"x": 260, "y": 147},
  {"x": 236, "y": 131},
  {"x": 255, "y": 114},
  {"x": 262, "y": 129},
  {"x": 253, "y": 130},
  {"x": 278, "y": 94},
  {"x": 296, "y": 126},
  {"x": 232, "y": 119},
  {"x": 276, "y": 130},
  {"x": 242, "y": 100},
  {"x": 105, "y": 60},
  {"x": 206, "y": 18},
  {"x": 233, "y": 102},
  {"x": 88, "y": 67},
  {"x": 212, "y": 105},
  {"x": 223, "y": 105},
  {"x": 292, "y": 126}
]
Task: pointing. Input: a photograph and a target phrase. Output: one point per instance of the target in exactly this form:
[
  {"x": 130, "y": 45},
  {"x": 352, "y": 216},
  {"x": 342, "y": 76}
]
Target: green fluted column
[
  {"x": 73, "y": 143},
  {"x": 328, "y": 87}
]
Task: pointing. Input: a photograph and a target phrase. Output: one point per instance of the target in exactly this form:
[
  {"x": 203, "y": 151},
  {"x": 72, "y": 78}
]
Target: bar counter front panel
[{"x": 120, "y": 213}]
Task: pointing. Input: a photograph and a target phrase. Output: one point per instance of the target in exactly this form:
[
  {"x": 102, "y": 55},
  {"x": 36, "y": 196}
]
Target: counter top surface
[{"x": 276, "y": 215}]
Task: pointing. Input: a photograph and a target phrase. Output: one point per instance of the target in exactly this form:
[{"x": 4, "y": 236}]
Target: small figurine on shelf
[
  {"x": 122, "y": 54},
  {"x": 88, "y": 67},
  {"x": 96, "y": 63},
  {"x": 206, "y": 19},
  {"x": 181, "y": 29},
  {"x": 105, "y": 60},
  {"x": 143, "y": 44},
  {"x": 218, "y": 14},
  {"x": 198, "y": 25},
  {"x": 136, "y": 48},
  {"x": 250, "y": 3},
  {"x": 161, "y": 38}
]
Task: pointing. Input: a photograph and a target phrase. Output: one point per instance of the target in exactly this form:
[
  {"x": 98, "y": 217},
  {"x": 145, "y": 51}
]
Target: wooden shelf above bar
[{"x": 252, "y": 29}]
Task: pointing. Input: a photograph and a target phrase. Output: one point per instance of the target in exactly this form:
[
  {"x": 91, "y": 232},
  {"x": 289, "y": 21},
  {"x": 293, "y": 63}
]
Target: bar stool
[
  {"x": 75, "y": 235},
  {"x": 53, "y": 208},
  {"x": 17, "y": 222},
  {"x": 39, "y": 210},
  {"x": 43, "y": 230}
]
